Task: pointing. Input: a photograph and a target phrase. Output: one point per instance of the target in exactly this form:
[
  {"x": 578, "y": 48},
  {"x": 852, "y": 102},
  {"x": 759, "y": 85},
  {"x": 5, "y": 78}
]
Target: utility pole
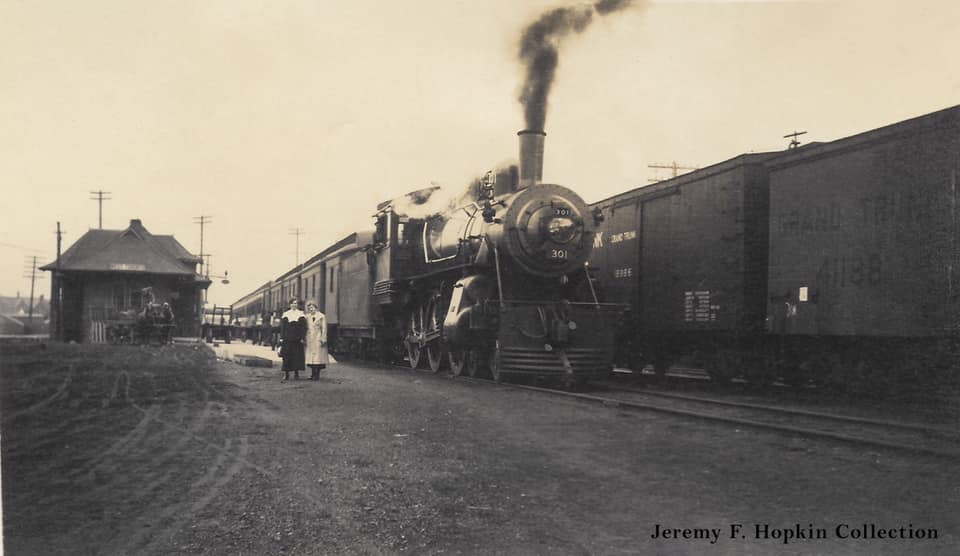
[
  {"x": 100, "y": 197},
  {"x": 794, "y": 143},
  {"x": 297, "y": 232},
  {"x": 32, "y": 261},
  {"x": 203, "y": 221},
  {"x": 55, "y": 301},
  {"x": 205, "y": 272},
  {"x": 672, "y": 166}
]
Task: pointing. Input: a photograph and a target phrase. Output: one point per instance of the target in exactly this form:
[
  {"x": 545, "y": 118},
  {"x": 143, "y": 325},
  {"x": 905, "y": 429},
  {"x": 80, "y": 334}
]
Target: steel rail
[
  {"x": 811, "y": 433},
  {"x": 713, "y": 417},
  {"x": 792, "y": 411}
]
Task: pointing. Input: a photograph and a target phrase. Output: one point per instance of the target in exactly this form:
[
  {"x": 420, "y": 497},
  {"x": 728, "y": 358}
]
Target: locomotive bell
[{"x": 531, "y": 157}]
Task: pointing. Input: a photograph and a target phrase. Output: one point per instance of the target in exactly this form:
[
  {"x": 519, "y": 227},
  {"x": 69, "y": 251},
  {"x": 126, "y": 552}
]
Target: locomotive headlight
[{"x": 561, "y": 229}]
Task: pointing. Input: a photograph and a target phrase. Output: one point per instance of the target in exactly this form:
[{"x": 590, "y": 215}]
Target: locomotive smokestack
[{"x": 531, "y": 157}]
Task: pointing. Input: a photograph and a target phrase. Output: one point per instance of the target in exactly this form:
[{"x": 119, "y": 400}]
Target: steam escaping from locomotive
[
  {"x": 539, "y": 52},
  {"x": 424, "y": 203}
]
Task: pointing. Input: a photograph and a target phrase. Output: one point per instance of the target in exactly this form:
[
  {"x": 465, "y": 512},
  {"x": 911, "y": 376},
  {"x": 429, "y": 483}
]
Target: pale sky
[{"x": 280, "y": 114}]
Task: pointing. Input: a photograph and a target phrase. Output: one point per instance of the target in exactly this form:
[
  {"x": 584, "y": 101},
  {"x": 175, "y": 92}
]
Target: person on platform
[
  {"x": 275, "y": 329},
  {"x": 258, "y": 330},
  {"x": 293, "y": 331},
  {"x": 317, "y": 355}
]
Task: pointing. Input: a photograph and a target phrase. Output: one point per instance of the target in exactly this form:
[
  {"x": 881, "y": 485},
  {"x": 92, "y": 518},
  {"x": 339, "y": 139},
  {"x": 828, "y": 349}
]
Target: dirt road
[{"x": 128, "y": 450}]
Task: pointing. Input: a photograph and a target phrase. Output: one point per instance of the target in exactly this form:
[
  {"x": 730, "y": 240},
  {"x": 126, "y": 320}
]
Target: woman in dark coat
[{"x": 293, "y": 331}]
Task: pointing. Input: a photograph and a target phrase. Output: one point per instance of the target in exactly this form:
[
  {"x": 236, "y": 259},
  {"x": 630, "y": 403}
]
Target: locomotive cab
[{"x": 390, "y": 253}]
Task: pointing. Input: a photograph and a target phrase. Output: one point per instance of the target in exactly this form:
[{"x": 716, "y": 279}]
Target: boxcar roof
[
  {"x": 690, "y": 177},
  {"x": 948, "y": 117}
]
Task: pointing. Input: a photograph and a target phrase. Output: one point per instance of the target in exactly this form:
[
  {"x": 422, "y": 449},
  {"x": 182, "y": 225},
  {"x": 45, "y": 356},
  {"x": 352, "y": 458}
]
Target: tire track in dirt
[
  {"x": 174, "y": 518},
  {"x": 134, "y": 544},
  {"x": 162, "y": 475},
  {"x": 125, "y": 442},
  {"x": 163, "y": 470},
  {"x": 118, "y": 469},
  {"x": 60, "y": 392},
  {"x": 131, "y": 438},
  {"x": 50, "y": 437},
  {"x": 156, "y": 470}
]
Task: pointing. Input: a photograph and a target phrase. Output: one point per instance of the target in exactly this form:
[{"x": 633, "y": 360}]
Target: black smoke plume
[{"x": 538, "y": 52}]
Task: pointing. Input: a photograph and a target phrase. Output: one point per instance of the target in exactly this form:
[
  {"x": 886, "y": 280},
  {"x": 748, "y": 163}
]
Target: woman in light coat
[{"x": 316, "y": 347}]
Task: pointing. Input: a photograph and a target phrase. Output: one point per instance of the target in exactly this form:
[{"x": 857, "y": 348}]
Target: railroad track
[{"x": 884, "y": 434}]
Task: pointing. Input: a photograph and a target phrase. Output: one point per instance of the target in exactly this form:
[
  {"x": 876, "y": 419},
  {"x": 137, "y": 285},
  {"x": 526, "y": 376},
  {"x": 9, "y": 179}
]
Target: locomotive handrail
[
  {"x": 496, "y": 262},
  {"x": 586, "y": 270}
]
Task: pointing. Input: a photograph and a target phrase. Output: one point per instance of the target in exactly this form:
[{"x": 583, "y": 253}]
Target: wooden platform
[{"x": 252, "y": 361}]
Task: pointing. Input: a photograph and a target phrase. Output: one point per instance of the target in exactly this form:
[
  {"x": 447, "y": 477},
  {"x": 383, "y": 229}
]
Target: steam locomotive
[{"x": 493, "y": 282}]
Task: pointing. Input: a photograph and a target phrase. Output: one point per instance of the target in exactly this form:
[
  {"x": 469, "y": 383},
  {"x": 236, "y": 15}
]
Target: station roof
[{"x": 133, "y": 249}]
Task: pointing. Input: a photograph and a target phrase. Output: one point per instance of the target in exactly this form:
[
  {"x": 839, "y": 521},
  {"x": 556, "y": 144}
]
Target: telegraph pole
[
  {"x": 203, "y": 221},
  {"x": 55, "y": 301},
  {"x": 672, "y": 166},
  {"x": 794, "y": 143},
  {"x": 205, "y": 272},
  {"x": 297, "y": 232},
  {"x": 32, "y": 261},
  {"x": 100, "y": 197}
]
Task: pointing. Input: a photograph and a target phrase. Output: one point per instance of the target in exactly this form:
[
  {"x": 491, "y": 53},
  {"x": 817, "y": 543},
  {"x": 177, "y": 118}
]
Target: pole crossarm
[{"x": 100, "y": 196}]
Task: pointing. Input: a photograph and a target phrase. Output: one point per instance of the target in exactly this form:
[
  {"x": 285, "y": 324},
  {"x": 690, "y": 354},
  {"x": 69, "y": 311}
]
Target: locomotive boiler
[{"x": 495, "y": 281}]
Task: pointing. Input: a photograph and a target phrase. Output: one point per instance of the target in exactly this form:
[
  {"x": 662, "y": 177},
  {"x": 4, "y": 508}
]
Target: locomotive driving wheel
[
  {"x": 433, "y": 325},
  {"x": 496, "y": 360},
  {"x": 413, "y": 354},
  {"x": 434, "y": 355},
  {"x": 464, "y": 361},
  {"x": 414, "y": 330}
]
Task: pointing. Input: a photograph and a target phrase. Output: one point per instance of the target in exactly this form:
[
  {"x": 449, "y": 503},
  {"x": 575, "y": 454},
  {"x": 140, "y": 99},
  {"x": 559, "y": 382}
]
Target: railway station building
[{"x": 109, "y": 275}]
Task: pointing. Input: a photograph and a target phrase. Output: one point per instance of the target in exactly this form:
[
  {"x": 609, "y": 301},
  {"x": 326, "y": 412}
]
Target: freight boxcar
[
  {"x": 864, "y": 269},
  {"x": 688, "y": 255},
  {"x": 835, "y": 262}
]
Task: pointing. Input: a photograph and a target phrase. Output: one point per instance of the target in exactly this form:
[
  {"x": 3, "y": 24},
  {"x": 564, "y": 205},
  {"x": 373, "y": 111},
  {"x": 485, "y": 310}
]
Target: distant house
[
  {"x": 17, "y": 316},
  {"x": 106, "y": 272}
]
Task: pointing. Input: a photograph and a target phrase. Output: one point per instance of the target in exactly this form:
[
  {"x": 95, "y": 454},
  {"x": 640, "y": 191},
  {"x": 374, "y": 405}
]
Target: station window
[
  {"x": 136, "y": 299},
  {"x": 119, "y": 299}
]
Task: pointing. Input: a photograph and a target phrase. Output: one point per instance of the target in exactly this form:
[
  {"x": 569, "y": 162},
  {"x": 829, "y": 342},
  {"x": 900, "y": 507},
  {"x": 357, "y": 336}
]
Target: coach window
[{"x": 331, "y": 279}]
